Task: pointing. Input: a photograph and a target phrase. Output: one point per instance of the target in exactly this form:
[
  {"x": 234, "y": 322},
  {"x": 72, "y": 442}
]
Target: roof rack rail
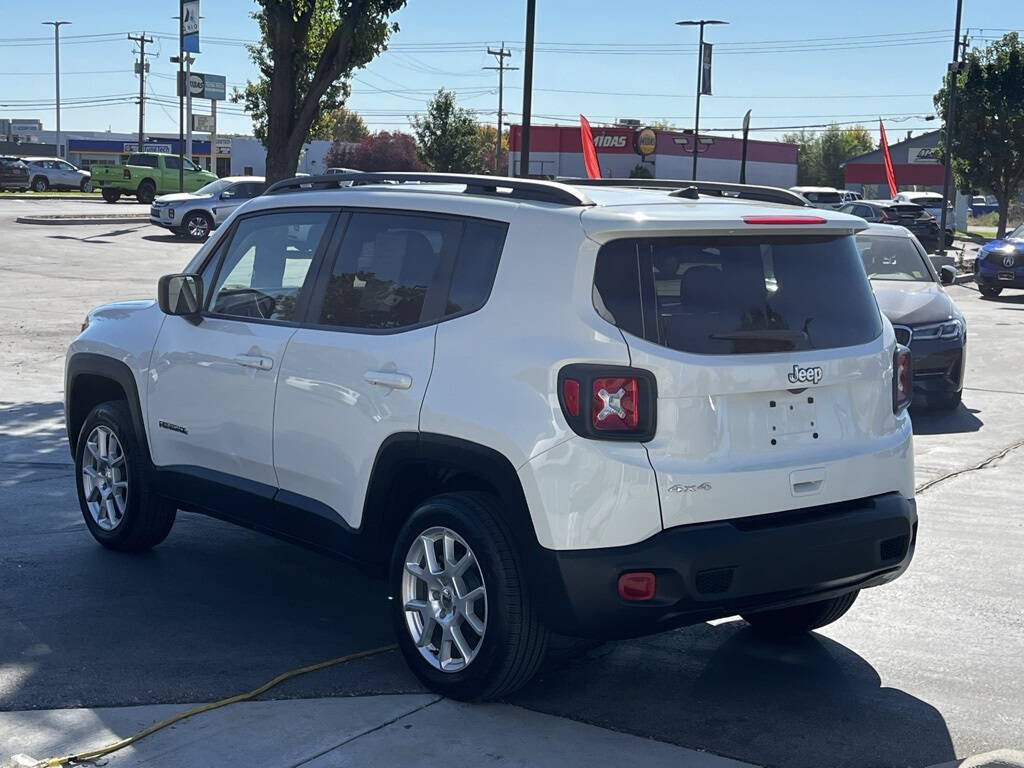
[
  {"x": 519, "y": 189},
  {"x": 717, "y": 188}
]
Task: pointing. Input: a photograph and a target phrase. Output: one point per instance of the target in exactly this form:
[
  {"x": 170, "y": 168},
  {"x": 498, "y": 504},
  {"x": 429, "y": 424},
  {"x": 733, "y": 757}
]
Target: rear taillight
[
  {"x": 902, "y": 378},
  {"x": 621, "y": 402},
  {"x": 637, "y": 586}
]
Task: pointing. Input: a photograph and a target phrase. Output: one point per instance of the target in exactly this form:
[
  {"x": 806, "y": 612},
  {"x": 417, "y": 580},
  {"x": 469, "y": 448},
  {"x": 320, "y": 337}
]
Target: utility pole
[
  {"x": 56, "y": 57},
  {"x": 700, "y": 71},
  {"x": 140, "y": 69},
  {"x": 182, "y": 87},
  {"x": 501, "y": 54},
  {"x": 947, "y": 154},
  {"x": 524, "y": 149}
]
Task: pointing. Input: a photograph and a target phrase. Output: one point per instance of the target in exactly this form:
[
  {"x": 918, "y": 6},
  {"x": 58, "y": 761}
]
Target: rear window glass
[
  {"x": 149, "y": 161},
  {"x": 824, "y": 197},
  {"x": 11, "y": 162},
  {"x": 738, "y": 295}
]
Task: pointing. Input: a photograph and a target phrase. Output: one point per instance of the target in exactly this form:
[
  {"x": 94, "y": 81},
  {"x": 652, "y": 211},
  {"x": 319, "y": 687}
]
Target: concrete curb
[
  {"x": 113, "y": 218},
  {"x": 70, "y": 196},
  {"x": 962, "y": 279}
]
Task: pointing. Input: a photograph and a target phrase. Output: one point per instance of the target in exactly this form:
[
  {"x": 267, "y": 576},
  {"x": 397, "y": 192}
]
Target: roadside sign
[
  {"x": 202, "y": 123},
  {"x": 190, "y": 26},
  {"x": 705, "y": 70},
  {"x": 202, "y": 86},
  {"x": 133, "y": 146}
]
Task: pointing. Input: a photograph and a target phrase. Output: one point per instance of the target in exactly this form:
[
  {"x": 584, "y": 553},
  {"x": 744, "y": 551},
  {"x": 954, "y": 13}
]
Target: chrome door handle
[
  {"x": 389, "y": 379},
  {"x": 255, "y": 361}
]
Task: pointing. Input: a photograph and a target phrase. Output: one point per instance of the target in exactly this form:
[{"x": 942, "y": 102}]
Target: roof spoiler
[
  {"x": 492, "y": 186},
  {"x": 694, "y": 188}
]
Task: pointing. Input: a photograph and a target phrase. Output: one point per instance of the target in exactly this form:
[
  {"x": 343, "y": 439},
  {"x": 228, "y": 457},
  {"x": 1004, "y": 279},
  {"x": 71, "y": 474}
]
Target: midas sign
[
  {"x": 645, "y": 141},
  {"x": 609, "y": 141}
]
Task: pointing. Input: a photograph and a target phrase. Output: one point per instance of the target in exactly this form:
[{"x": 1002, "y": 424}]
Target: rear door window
[{"x": 738, "y": 295}]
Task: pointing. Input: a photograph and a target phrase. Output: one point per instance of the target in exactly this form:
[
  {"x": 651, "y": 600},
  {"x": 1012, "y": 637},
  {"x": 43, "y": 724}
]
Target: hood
[
  {"x": 1004, "y": 246},
  {"x": 179, "y": 197},
  {"x": 912, "y": 303}
]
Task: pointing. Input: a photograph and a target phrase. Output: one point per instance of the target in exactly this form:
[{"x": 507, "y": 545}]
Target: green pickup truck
[{"x": 146, "y": 175}]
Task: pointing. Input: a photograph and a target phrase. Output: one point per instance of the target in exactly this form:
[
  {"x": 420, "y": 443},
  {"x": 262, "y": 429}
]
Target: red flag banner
[
  {"x": 589, "y": 152},
  {"x": 890, "y": 174}
]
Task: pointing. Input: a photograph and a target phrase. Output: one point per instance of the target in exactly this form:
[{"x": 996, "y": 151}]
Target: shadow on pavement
[
  {"x": 806, "y": 703},
  {"x": 212, "y": 611},
  {"x": 166, "y": 239},
  {"x": 92, "y": 238},
  {"x": 936, "y": 422}
]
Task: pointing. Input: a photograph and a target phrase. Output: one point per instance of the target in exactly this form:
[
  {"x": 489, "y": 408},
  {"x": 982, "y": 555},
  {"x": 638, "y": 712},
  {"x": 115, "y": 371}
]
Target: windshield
[
  {"x": 214, "y": 187},
  {"x": 1017, "y": 234},
  {"x": 738, "y": 295},
  {"x": 892, "y": 258}
]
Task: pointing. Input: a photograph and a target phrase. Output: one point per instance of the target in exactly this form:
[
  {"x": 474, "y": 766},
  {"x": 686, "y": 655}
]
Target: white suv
[{"x": 535, "y": 407}]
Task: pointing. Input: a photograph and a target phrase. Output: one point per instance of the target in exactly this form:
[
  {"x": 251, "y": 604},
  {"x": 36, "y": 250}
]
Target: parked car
[
  {"x": 931, "y": 202},
  {"x": 53, "y": 173},
  {"x": 146, "y": 175},
  {"x": 982, "y": 204},
  {"x": 910, "y": 294},
  {"x": 13, "y": 174},
  {"x": 534, "y": 407},
  {"x": 849, "y": 195},
  {"x": 913, "y": 217},
  {"x": 828, "y": 198},
  {"x": 1000, "y": 264},
  {"x": 196, "y": 214}
]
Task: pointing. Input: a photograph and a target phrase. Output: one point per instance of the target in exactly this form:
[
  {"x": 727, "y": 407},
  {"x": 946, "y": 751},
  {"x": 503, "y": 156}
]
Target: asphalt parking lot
[{"x": 919, "y": 673}]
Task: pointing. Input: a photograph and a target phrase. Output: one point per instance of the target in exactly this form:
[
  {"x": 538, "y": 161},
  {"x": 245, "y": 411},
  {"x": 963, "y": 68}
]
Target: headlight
[{"x": 951, "y": 329}]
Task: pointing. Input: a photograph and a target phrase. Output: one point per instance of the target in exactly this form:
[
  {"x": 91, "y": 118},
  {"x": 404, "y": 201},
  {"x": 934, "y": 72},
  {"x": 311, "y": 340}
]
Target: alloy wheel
[
  {"x": 445, "y": 599},
  {"x": 198, "y": 227},
  {"x": 105, "y": 478}
]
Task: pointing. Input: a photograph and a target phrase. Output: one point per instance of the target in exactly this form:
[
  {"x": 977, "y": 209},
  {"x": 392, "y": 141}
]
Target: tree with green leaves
[
  {"x": 306, "y": 53},
  {"x": 821, "y": 157},
  {"x": 347, "y": 125},
  {"x": 447, "y": 136},
  {"x": 988, "y": 136}
]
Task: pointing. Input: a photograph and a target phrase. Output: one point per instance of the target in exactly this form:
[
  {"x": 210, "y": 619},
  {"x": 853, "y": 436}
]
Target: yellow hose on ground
[{"x": 55, "y": 762}]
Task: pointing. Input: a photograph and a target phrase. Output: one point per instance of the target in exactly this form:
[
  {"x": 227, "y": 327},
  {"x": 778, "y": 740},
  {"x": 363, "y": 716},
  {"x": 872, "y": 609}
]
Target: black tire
[
  {"x": 203, "y": 225},
  {"x": 85, "y": 186},
  {"x": 801, "y": 618},
  {"x": 147, "y": 517},
  {"x": 40, "y": 184},
  {"x": 514, "y": 641},
  {"x": 989, "y": 291},
  {"x": 946, "y": 402},
  {"x": 146, "y": 192},
  {"x": 111, "y": 195}
]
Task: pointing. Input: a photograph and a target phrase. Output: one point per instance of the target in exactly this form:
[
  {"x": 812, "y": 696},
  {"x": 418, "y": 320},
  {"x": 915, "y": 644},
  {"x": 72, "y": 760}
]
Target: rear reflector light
[
  {"x": 902, "y": 378},
  {"x": 637, "y": 586},
  {"x": 783, "y": 220},
  {"x": 614, "y": 405},
  {"x": 571, "y": 396}
]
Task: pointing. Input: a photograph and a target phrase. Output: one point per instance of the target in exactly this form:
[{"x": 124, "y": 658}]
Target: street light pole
[
  {"x": 524, "y": 148},
  {"x": 700, "y": 71},
  {"x": 947, "y": 158},
  {"x": 56, "y": 57}
]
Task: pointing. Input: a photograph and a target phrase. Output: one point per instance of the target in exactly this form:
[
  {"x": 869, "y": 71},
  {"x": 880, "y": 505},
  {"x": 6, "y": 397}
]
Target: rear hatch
[{"x": 773, "y": 373}]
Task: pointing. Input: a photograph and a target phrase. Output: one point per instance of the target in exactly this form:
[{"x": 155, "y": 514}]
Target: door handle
[
  {"x": 389, "y": 379},
  {"x": 255, "y": 361}
]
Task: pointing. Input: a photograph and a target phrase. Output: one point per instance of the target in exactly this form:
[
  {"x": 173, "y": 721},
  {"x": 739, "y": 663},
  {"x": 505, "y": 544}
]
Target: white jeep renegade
[{"x": 535, "y": 407}]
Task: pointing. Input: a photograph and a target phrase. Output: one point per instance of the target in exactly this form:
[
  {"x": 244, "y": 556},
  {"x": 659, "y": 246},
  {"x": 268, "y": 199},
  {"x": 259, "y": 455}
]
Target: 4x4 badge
[
  {"x": 677, "y": 488},
  {"x": 799, "y": 374}
]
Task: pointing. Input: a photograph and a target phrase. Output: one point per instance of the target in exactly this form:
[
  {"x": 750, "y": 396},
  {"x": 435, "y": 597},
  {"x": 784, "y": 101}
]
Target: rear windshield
[
  {"x": 737, "y": 295},
  {"x": 11, "y": 162},
  {"x": 893, "y": 258},
  {"x": 824, "y": 197},
  {"x": 906, "y": 209}
]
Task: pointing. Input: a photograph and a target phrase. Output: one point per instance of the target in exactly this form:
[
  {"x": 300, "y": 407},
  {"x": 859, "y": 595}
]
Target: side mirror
[
  {"x": 180, "y": 295},
  {"x": 947, "y": 274}
]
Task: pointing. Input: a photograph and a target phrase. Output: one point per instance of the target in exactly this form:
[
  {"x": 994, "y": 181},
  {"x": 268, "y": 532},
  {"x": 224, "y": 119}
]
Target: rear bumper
[{"x": 712, "y": 570}]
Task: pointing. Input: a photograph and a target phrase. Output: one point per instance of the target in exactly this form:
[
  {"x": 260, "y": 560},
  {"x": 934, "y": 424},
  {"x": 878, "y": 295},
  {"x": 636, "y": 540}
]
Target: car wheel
[
  {"x": 146, "y": 192},
  {"x": 461, "y": 612},
  {"x": 85, "y": 186},
  {"x": 115, "y": 484},
  {"x": 989, "y": 292},
  {"x": 111, "y": 195},
  {"x": 40, "y": 184},
  {"x": 801, "y": 618},
  {"x": 197, "y": 225}
]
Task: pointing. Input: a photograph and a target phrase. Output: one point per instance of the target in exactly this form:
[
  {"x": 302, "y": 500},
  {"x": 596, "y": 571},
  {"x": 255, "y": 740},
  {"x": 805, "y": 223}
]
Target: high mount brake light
[
  {"x": 608, "y": 402},
  {"x": 783, "y": 220}
]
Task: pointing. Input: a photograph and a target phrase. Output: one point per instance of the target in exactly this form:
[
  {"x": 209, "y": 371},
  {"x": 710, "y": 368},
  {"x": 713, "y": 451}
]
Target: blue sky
[{"x": 793, "y": 62}]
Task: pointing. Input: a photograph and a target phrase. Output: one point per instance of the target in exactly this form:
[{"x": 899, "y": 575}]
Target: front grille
[
  {"x": 903, "y": 334},
  {"x": 894, "y": 548},
  {"x": 995, "y": 258},
  {"x": 714, "y": 581}
]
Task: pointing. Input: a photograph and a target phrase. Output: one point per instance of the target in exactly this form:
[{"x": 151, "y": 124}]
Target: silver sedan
[{"x": 196, "y": 214}]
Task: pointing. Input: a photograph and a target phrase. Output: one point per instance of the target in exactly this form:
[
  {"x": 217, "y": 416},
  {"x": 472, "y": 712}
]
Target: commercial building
[
  {"x": 557, "y": 150},
  {"x": 916, "y": 162}
]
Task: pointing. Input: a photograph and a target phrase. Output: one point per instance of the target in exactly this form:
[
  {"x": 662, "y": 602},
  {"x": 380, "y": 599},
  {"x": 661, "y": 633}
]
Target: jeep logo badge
[{"x": 804, "y": 375}]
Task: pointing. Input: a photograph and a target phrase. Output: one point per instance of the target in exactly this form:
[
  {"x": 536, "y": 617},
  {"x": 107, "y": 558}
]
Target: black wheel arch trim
[{"x": 89, "y": 363}]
